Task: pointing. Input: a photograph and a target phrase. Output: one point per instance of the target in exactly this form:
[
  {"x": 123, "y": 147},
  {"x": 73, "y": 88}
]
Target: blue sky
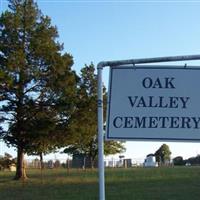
[{"x": 93, "y": 31}]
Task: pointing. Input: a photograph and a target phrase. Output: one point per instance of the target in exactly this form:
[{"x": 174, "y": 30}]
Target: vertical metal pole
[{"x": 100, "y": 136}]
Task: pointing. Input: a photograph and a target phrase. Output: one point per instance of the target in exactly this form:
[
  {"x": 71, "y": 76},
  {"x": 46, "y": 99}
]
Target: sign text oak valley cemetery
[{"x": 154, "y": 103}]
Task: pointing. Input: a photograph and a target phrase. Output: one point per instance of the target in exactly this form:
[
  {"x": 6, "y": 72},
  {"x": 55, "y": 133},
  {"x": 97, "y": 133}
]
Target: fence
[{"x": 82, "y": 163}]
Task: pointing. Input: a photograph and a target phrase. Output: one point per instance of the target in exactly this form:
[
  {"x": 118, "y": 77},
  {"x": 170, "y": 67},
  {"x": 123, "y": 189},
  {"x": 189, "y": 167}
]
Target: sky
[{"x": 94, "y": 31}]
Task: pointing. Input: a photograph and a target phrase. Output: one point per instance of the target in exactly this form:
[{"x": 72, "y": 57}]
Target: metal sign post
[
  {"x": 100, "y": 136},
  {"x": 120, "y": 63}
]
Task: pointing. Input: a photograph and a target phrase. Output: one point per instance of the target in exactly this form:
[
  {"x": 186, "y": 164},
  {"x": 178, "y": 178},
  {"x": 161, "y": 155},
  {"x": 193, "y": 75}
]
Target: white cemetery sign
[{"x": 154, "y": 103}]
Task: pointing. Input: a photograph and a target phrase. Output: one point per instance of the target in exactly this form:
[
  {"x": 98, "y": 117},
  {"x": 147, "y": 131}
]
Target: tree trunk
[
  {"x": 20, "y": 171},
  {"x": 41, "y": 161},
  {"x": 41, "y": 166},
  {"x": 91, "y": 163},
  {"x": 84, "y": 162}
]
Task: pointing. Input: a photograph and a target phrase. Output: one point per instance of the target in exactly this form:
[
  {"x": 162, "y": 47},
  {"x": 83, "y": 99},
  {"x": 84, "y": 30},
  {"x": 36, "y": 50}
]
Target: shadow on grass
[
  {"x": 121, "y": 184},
  {"x": 4, "y": 181},
  {"x": 52, "y": 185},
  {"x": 154, "y": 184},
  {"x": 51, "y": 191}
]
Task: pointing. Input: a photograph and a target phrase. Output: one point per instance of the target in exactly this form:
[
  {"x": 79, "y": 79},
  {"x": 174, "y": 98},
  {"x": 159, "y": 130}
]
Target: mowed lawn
[{"x": 175, "y": 183}]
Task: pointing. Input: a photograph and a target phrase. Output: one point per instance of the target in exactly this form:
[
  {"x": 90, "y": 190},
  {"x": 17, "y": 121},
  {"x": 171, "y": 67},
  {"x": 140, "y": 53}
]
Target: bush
[
  {"x": 179, "y": 161},
  {"x": 6, "y": 161}
]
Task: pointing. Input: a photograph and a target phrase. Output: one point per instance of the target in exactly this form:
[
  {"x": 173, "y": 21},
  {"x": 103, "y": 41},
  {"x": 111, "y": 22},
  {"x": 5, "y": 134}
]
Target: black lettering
[
  {"x": 153, "y": 122},
  {"x": 117, "y": 122},
  {"x": 147, "y": 82},
  {"x": 168, "y": 82},
  {"x": 157, "y": 84},
  {"x": 163, "y": 121},
  {"x": 174, "y": 122},
  {"x": 132, "y": 101},
  {"x": 186, "y": 122},
  {"x": 196, "y": 122},
  {"x": 161, "y": 103},
  {"x": 173, "y": 102},
  {"x": 184, "y": 101},
  {"x": 127, "y": 122},
  {"x": 151, "y": 102},
  {"x": 141, "y": 102},
  {"x": 140, "y": 122}
]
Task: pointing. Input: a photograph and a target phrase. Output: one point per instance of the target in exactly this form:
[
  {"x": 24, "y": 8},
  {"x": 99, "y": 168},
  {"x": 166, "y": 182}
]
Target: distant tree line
[
  {"x": 190, "y": 161},
  {"x": 163, "y": 157}
]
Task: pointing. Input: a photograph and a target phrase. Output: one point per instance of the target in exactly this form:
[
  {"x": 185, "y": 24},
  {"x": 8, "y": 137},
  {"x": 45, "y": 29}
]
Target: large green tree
[
  {"x": 83, "y": 124},
  {"x": 163, "y": 154},
  {"x": 37, "y": 84}
]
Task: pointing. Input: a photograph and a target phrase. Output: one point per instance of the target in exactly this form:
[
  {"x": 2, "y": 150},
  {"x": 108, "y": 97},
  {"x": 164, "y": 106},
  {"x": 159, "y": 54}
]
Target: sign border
[{"x": 138, "y": 67}]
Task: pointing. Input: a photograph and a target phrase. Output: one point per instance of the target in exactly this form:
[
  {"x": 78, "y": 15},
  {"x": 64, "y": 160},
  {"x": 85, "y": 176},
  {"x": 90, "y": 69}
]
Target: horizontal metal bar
[{"x": 148, "y": 60}]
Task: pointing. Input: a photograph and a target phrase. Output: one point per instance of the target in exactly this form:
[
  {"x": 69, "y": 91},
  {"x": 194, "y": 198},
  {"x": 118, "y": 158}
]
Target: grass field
[{"x": 182, "y": 183}]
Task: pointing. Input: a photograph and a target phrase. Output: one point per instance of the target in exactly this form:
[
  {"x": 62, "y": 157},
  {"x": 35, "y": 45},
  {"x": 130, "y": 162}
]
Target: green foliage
[
  {"x": 35, "y": 78},
  {"x": 113, "y": 147},
  {"x": 178, "y": 161},
  {"x": 163, "y": 154},
  {"x": 37, "y": 84},
  {"x": 83, "y": 124},
  {"x": 6, "y": 161},
  {"x": 194, "y": 160},
  {"x": 72, "y": 150}
]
